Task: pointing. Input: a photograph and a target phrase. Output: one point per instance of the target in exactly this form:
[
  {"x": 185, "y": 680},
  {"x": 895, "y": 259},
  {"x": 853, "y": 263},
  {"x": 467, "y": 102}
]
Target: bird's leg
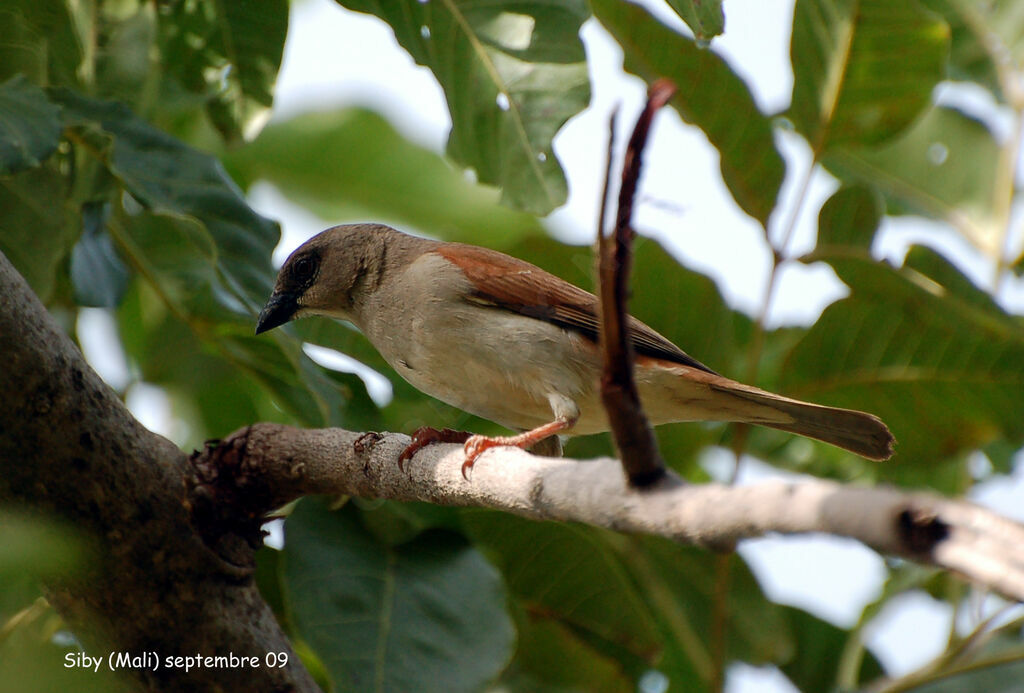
[
  {"x": 425, "y": 435},
  {"x": 477, "y": 445}
]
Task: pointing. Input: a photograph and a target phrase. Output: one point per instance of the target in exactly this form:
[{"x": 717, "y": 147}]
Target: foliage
[{"x": 120, "y": 122}]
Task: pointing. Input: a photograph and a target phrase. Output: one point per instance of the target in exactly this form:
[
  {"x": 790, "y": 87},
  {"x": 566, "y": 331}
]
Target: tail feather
[{"x": 859, "y": 432}]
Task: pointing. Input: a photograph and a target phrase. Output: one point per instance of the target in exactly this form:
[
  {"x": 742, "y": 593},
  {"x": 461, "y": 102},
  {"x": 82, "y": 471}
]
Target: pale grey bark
[{"x": 953, "y": 534}]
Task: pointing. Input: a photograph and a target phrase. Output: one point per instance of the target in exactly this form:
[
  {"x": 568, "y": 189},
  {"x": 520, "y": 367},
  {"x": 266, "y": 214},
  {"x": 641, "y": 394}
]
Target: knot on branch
[
  {"x": 228, "y": 498},
  {"x": 920, "y": 529}
]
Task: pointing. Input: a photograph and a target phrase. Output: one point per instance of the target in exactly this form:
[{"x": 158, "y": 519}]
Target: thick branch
[
  {"x": 280, "y": 463},
  {"x": 69, "y": 448}
]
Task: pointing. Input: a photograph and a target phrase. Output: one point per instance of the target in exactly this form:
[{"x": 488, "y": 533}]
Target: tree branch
[
  {"x": 280, "y": 463},
  {"x": 69, "y": 448},
  {"x": 633, "y": 434}
]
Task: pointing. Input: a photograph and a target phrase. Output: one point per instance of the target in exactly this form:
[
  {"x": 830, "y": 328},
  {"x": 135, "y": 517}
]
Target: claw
[
  {"x": 424, "y": 436},
  {"x": 476, "y": 446}
]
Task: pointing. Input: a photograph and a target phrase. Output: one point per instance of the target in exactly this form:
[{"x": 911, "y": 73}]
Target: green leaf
[
  {"x": 354, "y": 164},
  {"x": 98, "y": 275},
  {"x": 711, "y": 96},
  {"x": 568, "y": 573},
  {"x": 512, "y": 75},
  {"x": 228, "y": 53},
  {"x": 983, "y": 34},
  {"x": 904, "y": 345},
  {"x": 863, "y": 69},
  {"x": 681, "y": 582},
  {"x": 36, "y": 230},
  {"x": 41, "y": 547},
  {"x": 849, "y": 218},
  {"x": 704, "y": 17},
  {"x": 943, "y": 167},
  {"x": 997, "y": 676},
  {"x": 428, "y": 615},
  {"x": 815, "y": 660},
  {"x": 169, "y": 178},
  {"x": 22, "y": 47},
  {"x": 124, "y": 67},
  {"x": 178, "y": 255},
  {"x": 551, "y": 657},
  {"x": 968, "y": 58},
  {"x": 43, "y": 41},
  {"x": 34, "y": 548},
  {"x": 30, "y": 126}
]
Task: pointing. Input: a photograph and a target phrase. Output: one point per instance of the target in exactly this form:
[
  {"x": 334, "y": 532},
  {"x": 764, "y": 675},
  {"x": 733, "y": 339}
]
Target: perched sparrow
[{"x": 504, "y": 340}]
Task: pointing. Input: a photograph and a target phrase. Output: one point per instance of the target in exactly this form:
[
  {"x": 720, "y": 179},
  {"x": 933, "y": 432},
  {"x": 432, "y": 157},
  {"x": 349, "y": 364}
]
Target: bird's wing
[{"x": 518, "y": 286}]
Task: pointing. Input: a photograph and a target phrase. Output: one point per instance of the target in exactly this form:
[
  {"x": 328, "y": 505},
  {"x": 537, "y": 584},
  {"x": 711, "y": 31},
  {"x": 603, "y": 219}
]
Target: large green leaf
[
  {"x": 907, "y": 344},
  {"x": 36, "y": 230},
  {"x": 943, "y": 167},
  {"x": 188, "y": 233},
  {"x": 512, "y": 72},
  {"x": 169, "y": 178},
  {"x": 124, "y": 68},
  {"x": 428, "y": 615},
  {"x": 815, "y": 663},
  {"x": 34, "y": 227},
  {"x": 30, "y": 126},
  {"x": 228, "y": 53},
  {"x": 22, "y": 47},
  {"x": 863, "y": 69},
  {"x": 1001, "y": 675},
  {"x": 552, "y": 658},
  {"x": 711, "y": 96},
  {"x": 241, "y": 380},
  {"x": 98, "y": 275},
  {"x": 32, "y": 548},
  {"x": 986, "y": 37},
  {"x": 40, "y": 547},
  {"x": 354, "y": 164},
  {"x": 681, "y": 583},
  {"x": 643, "y": 601},
  {"x": 704, "y": 17},
  {"x": 571, "y": 574},
  {"x": 44, "y": 41},
  {"x": 849, "y": 218}
]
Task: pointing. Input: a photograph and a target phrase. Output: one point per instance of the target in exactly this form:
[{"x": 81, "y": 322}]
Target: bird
[{"x": 506, "y": 341}]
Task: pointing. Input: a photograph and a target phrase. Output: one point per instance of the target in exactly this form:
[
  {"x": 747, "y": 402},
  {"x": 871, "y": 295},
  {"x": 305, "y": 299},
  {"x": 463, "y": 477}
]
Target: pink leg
[
  {"x": 477, "y": 445},
  {"x": 425, "y": 435}
]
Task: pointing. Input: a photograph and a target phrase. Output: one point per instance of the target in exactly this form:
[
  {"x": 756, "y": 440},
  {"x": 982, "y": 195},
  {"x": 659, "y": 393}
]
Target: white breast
[{"x": 493, "y": 363}]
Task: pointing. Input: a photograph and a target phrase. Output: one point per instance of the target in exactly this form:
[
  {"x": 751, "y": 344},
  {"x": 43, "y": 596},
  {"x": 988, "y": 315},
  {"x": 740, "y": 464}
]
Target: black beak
[{"x": 279, "y": 309}]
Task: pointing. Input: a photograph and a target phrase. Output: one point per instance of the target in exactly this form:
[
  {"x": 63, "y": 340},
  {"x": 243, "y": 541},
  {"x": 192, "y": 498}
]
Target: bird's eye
[{"x": 303, "y": 269}]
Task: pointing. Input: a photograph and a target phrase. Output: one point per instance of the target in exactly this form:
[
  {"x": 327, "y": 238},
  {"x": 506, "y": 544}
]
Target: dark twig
[{"x": 633, "y": 434}]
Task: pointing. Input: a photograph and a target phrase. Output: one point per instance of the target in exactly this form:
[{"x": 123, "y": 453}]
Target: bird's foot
[
  {"x": 425, "y": 435},
  {"x": 477, "y": 445}
]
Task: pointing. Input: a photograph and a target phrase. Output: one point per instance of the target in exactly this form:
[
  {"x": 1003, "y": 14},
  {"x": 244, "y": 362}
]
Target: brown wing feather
[{"x": 518, "y": 286}]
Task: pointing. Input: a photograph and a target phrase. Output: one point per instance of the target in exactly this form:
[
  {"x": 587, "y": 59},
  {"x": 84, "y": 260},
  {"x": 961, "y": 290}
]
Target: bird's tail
[{"x": 859, "y": 432}]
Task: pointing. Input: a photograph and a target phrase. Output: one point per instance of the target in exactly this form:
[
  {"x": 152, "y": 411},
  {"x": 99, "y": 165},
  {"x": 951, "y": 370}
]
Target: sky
[{"x": 336, "y": 58}]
